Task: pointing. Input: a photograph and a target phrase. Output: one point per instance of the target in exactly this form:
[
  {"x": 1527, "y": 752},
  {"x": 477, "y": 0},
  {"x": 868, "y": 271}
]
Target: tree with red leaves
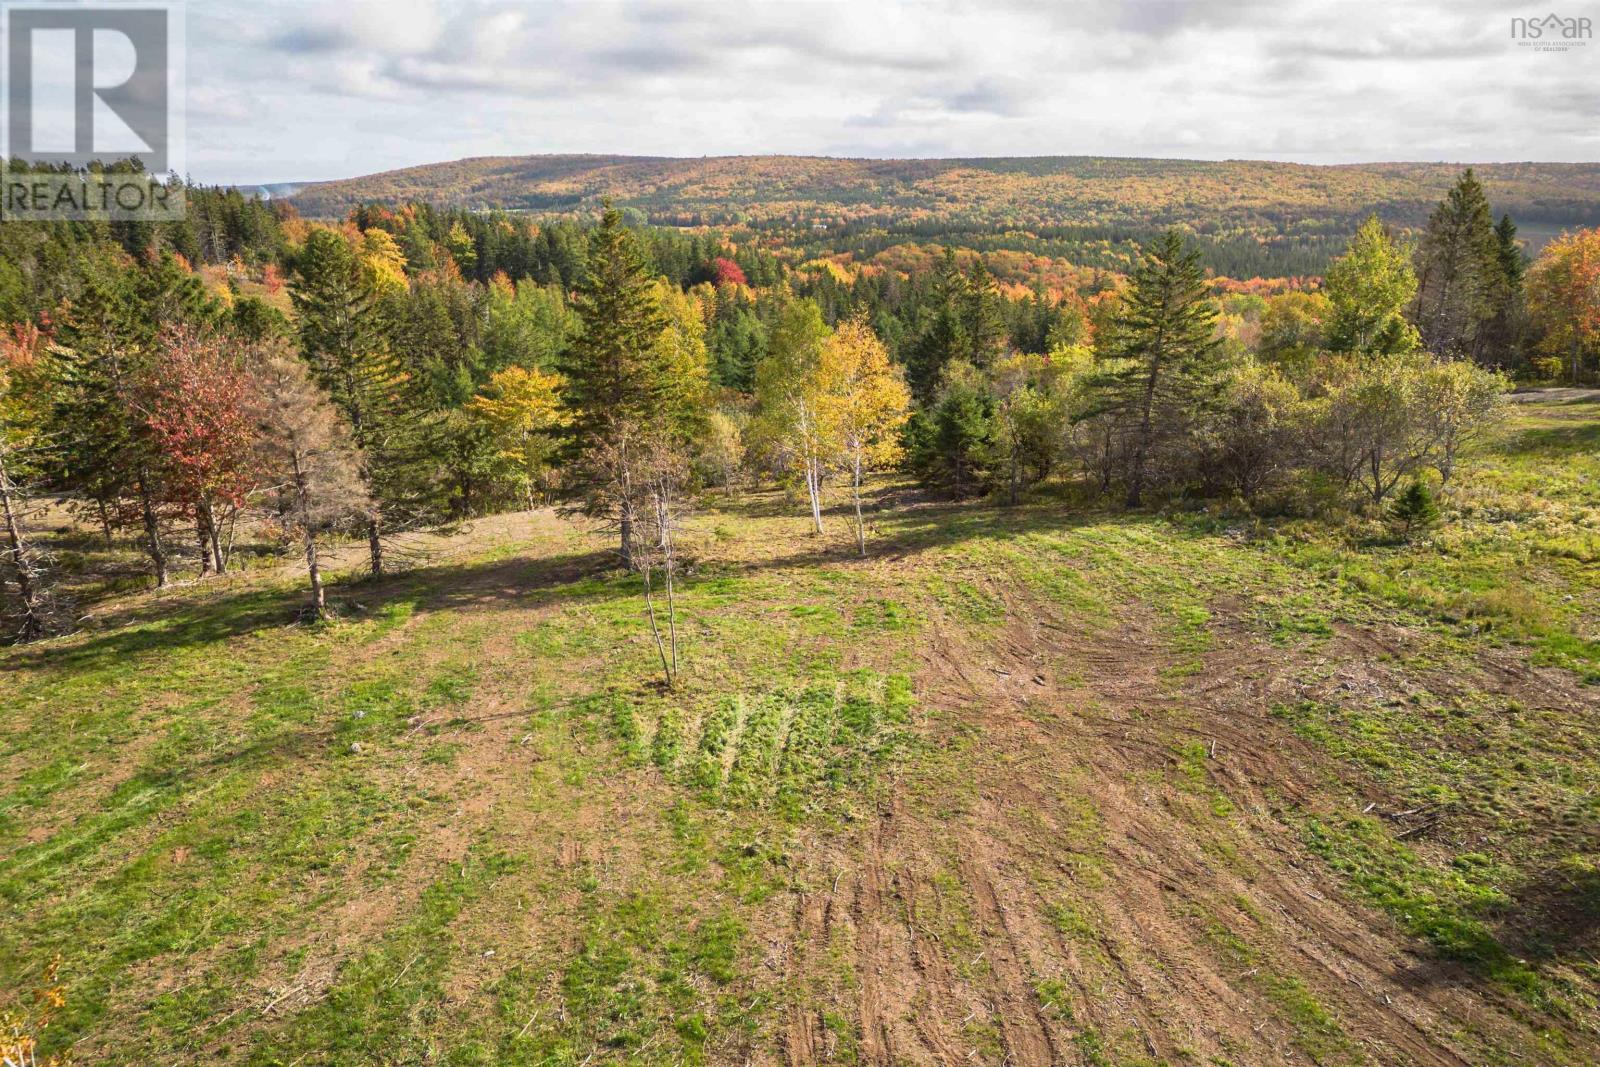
[
  {"x": 726, "y": 272},
  {"x": 198, "y": 411}
]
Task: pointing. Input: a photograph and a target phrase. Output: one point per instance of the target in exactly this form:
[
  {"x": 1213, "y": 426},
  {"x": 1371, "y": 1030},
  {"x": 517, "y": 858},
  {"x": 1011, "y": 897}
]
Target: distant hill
[{"x": 1027, "y": 193}]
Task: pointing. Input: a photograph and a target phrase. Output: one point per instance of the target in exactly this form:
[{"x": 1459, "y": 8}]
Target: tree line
[{"x": 390, "y": 373}]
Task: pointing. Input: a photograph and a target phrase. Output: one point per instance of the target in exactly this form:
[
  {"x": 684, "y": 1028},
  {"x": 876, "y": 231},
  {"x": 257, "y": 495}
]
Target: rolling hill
[{"x": 1025, "y": 193}]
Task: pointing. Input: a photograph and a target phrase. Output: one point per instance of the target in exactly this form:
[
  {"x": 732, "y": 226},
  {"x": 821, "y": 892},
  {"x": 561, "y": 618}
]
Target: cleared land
[{"x": 1034, "y": 786}]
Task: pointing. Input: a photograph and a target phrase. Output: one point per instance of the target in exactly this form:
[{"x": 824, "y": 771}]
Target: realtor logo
[
  {"x": 90, "y": 88},
  {"x": 1552, "y": 33}
]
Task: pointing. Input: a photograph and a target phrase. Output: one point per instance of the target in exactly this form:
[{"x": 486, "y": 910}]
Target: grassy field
[{"x": 1030, "y": 785}]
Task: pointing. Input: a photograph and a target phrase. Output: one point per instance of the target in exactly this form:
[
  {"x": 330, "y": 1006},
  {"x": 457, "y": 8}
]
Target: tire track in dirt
[
  {"x": 1058, "y": 710},
  {"x": 873, "y": 948},
  {"x": 1022, "y": 1028}
]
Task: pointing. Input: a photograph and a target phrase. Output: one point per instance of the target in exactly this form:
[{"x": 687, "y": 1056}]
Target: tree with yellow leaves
[
  {"x": 23, "y": 595},
  {"x": 789, "y": 427},
  {"x": 522, "y": 409},
  {"x": 383, "y": 265},
  {"x": 862, "y": 401}
]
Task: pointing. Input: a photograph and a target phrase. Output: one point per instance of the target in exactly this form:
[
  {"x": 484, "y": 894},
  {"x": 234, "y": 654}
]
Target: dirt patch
[{"x": 1110, "y": 839}]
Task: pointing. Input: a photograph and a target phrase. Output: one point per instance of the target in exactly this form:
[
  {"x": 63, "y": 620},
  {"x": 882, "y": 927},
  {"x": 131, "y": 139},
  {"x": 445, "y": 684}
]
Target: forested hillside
[{"x": 1252, "y": 218}]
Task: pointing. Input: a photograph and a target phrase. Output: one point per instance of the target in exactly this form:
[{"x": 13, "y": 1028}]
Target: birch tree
[
  {"x": 862, "y": 401},
  {"x": 22, "y": 564},
  {"x": 790, "y": 423}
]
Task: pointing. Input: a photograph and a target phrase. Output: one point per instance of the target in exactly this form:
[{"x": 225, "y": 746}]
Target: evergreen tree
[
  {"x": 949, "y": 442},
  {"x": 738, "y": 342},
  {"x": 618, "y": 380},
  {"x": 983, "y": 317},
  {"x": 1457, "y": 263},
  {"x": 1507, "y": 303},
  {"x": 1414, "y": 509},
  {"x": 342, "y": 339},
  {"x": 1166, "y": 351},
  {"x": 107, "y": 355},
  {"x": 943, "y": 337}
]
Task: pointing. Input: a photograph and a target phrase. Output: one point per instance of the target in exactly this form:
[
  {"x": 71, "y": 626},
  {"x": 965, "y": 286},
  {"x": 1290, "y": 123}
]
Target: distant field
[{"x": 1028, "y": 786}]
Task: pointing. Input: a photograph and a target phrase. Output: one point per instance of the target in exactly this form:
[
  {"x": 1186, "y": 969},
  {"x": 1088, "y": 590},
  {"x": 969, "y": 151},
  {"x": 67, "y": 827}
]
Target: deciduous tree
[
  {"x": 522, "y": 410},
  {"x": 789, "y": 422},
  {"x": 25, "y": 596},
  {"x": 863, "y": 402},
  {"x": 196, "y": 404},
  {"x": 1369, "y": 288},
  {"x": 1564, "y": 299}
]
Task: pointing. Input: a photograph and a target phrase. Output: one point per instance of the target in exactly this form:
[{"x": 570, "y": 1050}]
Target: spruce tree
[
  {"x": 948, "y": 442},
  {"x": 1457, "y": 263},
  {"x": 342, "y": 339},
  {"x": 108, "y": 348},
  {"x": 1414, "y": 509},
  {"x": 983, "y": 317},
  {"x": 618, "y": 379},
  {"x": 1507, "y": 304},
  {"x": 943, "y": 336},
  {"x": 1166, "y": 353}
]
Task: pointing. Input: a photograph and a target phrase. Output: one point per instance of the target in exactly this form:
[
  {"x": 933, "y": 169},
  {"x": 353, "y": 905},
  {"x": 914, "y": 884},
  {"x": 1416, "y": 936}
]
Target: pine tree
[
  {"x": 1164, "y": 342},
  {"x": 1457, "y": 263},
  {"x": 618, "y": 379}
]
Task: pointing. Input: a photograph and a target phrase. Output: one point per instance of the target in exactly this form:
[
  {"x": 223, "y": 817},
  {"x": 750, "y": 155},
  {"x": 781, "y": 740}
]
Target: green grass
[{"x": 542, "y": 856}]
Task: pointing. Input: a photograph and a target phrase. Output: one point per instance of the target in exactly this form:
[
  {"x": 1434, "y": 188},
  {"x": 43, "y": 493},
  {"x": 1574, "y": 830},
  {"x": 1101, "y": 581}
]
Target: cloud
[
  {"x": 328, "y": 90},
  {"x": 1002, "y": 98}
]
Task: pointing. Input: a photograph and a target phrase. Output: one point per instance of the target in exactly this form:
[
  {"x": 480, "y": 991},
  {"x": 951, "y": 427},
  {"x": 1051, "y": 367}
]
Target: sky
[{"x": 296, "y": 91}]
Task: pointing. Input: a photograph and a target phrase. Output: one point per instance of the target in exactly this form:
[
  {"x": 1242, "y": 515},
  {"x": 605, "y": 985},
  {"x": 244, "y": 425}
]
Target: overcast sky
[{"x": 290, "y": 90}]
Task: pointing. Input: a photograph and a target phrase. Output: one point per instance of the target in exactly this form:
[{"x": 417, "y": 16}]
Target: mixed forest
[
  {"x": 407, "y": 367},
  {"x": 1247, "y": 219}
]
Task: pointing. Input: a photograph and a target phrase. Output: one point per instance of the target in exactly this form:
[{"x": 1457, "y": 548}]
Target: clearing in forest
[{"x": 1030, "y": 785}]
